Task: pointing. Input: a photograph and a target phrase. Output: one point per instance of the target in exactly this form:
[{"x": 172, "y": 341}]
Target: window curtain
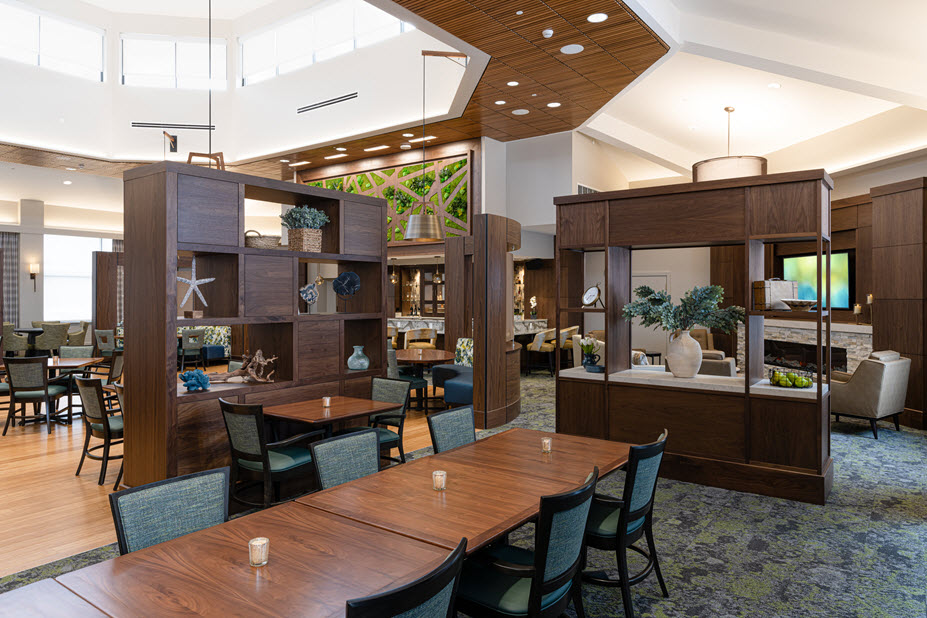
[
  {"x": 9, "y": 246},
  {"x": 119, "y": 247}
]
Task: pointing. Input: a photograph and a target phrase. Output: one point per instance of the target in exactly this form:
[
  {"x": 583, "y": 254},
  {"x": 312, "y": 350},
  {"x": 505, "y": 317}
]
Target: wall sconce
[{"x": 33, "y": 271}]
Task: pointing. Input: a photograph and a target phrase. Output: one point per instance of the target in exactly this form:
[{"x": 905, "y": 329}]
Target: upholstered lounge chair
[{"x": 875, "y": 391}]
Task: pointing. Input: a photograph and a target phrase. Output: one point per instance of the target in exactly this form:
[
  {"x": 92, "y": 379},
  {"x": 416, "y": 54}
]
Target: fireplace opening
[{"x": 801, "y": 356}]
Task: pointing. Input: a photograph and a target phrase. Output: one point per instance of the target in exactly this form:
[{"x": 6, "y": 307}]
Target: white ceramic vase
[{"x": 684, "y": 356}]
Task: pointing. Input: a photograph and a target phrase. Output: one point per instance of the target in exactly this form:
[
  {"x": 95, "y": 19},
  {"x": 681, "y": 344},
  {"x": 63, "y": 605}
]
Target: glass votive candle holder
[
  {"x": 326, "y": 402},
  {"x": 259, "y": 551},
  {"x": 439, "y": 480},
  {"x": 546, "y": 445}
]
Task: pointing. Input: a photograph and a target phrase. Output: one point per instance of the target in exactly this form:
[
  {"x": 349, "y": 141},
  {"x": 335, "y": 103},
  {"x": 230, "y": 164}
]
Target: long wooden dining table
[{"x": 366, "y": 536}]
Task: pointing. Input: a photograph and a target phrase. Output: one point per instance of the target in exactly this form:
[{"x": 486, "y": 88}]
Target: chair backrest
[
  {"x": 392, "y": 365},
  {"x": 192, "y": 338},
  {"x": 432, "y": 595},
  {"x": 92, "y": 401},
  {"x": 42, "y": 323},
  {"x": 54, "y": 335},
  {"x": 75, "y": 351},
  {"x": 392, "y": 334},
  {"x": 77, "y": 337},
  {"x": 559, "y": 540},
  {"x": 421, "y": 334},
  {"x": 598, "y": 334},
  {"x": 640, "y": 483},
  {"x": 463, "y": 352},
  {"x": 244, "y": 424},
  {"x": 158, "y": 512},
  {"x": 27, "y": 373},
  {"x": 452, "y": 428},
  {"x": 346, "y": 458},
  {"x": 106, "y": 339},
  {"x": 391, "y": 391},
  {"x": 116, "y": 366},
  {"x": 120, "y": 389},
  {"x": 566, "y": 334},
  {"x": 540, "y": 338},
  {"x": 883, "y": 380}
]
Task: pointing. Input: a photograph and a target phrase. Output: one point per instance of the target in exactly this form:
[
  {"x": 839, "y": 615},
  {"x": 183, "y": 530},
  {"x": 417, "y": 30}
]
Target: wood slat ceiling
[{"x": 616, "y": 52}]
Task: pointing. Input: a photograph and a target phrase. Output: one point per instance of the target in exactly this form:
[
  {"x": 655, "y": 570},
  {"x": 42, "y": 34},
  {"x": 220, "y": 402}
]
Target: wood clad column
[
  {"x": 899, "y": 212},
  {"x": 457, "y": 302},
  {"x": 105, "y": 289}
]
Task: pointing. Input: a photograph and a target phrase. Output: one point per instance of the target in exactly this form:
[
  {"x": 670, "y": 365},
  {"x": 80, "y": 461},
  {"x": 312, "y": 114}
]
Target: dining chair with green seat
[
  {"x": 28, "y": 383},
  {"x": 110, "y": 373},
  {"x": 505, "y": 580},
  {"x": 419, "y": 385},
  {"x": 192, "y": 341},
  {"x": 122, "y": 408},
  {"x": 13, "y": 343},
  {"x": 161, "y": 511},
  {"x": 54, "y": 335},
  {"x": 346, "y": 458},
  {"x": 389, "y": 424},
  {"x": 617, "y": 524},
  {"x": 98, "y": 423},
  {"x": 452, "y": 428},
  {"x": 430, "y": 596},
  {"x": 105, "y": 342},
  {"x": 254, "y": 460},
  {"x": 73, "y": 351}
]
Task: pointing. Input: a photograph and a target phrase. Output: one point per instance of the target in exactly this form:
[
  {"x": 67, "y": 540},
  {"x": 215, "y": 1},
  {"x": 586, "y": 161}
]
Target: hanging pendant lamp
[
  {"x": 424, "y": 226},
  {"x": 728, "y": 167}
]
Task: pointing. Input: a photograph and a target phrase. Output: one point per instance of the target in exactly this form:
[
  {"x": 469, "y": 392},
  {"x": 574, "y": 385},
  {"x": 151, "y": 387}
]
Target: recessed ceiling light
[
  {"x": 775, "y": 85},
  {"x": 512, "y": 83},
  {"x": 597, "y": 18},
  {"x": 554, "y": 104},
  {"x": 405, "y": 146},
  {"x": 519, "y": 112},
  {"x": 534, "y": 95},
  {"x": 71, "y": 169},
  {"x": 408, "y": 134},
  {"x": 340, "y": 148},
  {"x": 298, "y": 163},
  {"x": 337, "y": 156},
  {"x": 67, "y": 182},
  {"x": 427, "y": 138},
  {"x": 571, "y": 49},
  {"x": 375, "y": 148},
  {"x": 500, "y": 102},
  {"x": 547, "y": 33},
  {"x": 519, "y": 12}
]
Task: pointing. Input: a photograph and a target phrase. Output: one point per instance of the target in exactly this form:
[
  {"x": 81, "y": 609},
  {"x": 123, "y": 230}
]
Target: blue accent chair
[
  {"x": 346, "y": 458},
  {"x": 452, "y": 428}
]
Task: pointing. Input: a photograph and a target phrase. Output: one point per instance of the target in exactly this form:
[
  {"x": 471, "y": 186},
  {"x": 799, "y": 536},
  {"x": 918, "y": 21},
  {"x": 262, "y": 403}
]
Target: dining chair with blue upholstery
[
  {"x": 161, "y": 511},
  {"x": 505, "y": 580},
  {"x": 346, "y": 458},
  {"x": 28, "y": 383},
  {"x": 98, "y": 423},
  {"x": 452, "y": 428},
  {"x": 431, "y": 596},
  {"x": 388, "y": 424},
  {"x": 617, "y": 524},
  {"x": 254, "y": 460}
]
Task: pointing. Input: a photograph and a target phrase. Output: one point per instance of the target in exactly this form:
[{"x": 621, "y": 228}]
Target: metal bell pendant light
[{"x": 424, "y": 226}]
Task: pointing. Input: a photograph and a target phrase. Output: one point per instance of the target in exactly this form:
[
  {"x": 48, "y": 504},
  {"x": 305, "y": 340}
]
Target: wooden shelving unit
[
  {"x": 175, "y": 212},
  {"x": 738, "y": 433}
]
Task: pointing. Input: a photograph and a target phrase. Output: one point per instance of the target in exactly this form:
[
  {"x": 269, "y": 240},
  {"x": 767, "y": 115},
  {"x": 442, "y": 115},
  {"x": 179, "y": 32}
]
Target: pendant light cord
[
  {"x": 729, "y": 111},
  {"x": 424, "y": 206},
  {"x": 209, "y": 43}
]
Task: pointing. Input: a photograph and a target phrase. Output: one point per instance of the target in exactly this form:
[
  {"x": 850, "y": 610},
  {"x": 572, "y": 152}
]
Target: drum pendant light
[
  {"x": 424, "y": 226},
  {"x": 729, "y": 166}
]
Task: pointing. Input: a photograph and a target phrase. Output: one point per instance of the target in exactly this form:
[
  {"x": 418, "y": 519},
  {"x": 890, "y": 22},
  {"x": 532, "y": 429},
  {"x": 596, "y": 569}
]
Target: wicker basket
[
  {"x": 260, "y": 241},
  {"x": 305, "y": 239}
]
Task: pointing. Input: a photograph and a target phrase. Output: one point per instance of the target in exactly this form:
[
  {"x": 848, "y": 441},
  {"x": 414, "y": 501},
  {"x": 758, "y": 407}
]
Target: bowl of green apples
[{"x": 790, "y": 380}]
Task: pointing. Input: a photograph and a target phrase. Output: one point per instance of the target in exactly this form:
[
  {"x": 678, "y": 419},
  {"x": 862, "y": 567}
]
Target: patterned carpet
[{"x": 725, "y": 553}]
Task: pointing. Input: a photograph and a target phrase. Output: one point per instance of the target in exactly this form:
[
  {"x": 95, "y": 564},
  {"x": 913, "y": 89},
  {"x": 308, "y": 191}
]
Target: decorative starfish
[{"x": 194, "y": 284}]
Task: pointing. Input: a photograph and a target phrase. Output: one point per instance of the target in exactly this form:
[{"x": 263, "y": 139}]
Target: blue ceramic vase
[
  {"x": 590, "y": 362},
  {"x": 358, "y": 360}
]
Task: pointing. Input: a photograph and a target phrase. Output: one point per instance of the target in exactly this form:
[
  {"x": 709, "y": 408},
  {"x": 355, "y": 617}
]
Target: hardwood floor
[{"x": 49, "y": 514}]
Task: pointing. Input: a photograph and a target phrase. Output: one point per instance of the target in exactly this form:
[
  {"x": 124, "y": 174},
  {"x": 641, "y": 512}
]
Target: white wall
[
  {"x": 537, "y": 245},
  {"x": 31, "y": 251},
  {"x": 493, "y": 166},
  {"x": 538, "y": 169},
  {"x": 596, "y": 165},
  {"x": 848, "y": 185}
]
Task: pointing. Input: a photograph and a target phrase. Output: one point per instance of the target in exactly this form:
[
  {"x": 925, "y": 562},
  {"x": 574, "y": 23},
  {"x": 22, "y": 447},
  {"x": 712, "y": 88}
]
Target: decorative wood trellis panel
[{"x": 444, "y": 183}]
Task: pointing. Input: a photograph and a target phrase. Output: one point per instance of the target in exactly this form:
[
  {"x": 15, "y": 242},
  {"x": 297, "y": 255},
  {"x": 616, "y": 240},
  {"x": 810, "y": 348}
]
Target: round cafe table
[{"x": 421, "y": 358}]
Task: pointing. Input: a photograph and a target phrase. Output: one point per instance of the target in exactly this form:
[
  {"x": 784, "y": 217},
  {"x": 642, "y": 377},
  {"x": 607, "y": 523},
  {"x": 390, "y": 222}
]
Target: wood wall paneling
[
  {"x": 582, "y": 408},
  {"x": 363, "y": 229},
  {"x": 898, "y": 219},
  {"x": 208, "y": 211},
  {"x": 357, "y": 387},
  {"x": 699, "y": 218},
  {"x": 899, "y": 326},
  {"x": 542, "y": 283},
  {"x": 297, "y": 393},
  {"x": 901, "y": 272},
  {"x": 201, "y": 436},
  {"x": 221, "y": 294},
  {"x": 105, "y": 289},
  {"x": 582, "y": 225},
  {"x": 268, "y": 286},
  {"x": 318, "y": 351},
  {"x": 783, "y": 209},
  {"x": 771, "y": 419}
]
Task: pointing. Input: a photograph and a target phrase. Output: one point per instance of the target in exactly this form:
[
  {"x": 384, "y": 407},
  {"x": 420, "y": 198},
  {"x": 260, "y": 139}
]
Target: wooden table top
[
  {"x": 56, "y": 362},
  {"x": 317, "y": 562},
  {"x": 423, "y": 356},
  {"x": 493, "y": 486},
  {"x": 45, "y": 598},
  {"x": 341, "y": 409}
]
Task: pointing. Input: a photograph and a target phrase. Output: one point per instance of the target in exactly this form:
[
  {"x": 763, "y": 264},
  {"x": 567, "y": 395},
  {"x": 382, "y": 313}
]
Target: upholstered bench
[{"x": 459, "y": 391}]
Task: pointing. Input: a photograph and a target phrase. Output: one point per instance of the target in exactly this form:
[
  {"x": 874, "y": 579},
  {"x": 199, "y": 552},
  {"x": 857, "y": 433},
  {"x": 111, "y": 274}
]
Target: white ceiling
[{"x": 221, "y": 9}]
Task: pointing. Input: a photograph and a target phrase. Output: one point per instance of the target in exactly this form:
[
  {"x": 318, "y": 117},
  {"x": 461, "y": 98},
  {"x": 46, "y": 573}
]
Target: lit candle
[
  {"x": 869, "y": 299},
  {"x": 857, "y": 309},
  {"x": 439, "y": 480},
  {"x": 326, "y": 402},
  {"x": 546, "y": 444},
  {"x": 259, "y": 551}
]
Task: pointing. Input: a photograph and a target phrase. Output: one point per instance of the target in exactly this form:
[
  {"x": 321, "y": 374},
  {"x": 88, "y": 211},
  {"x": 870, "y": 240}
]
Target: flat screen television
[{"x": 804, "y": 270}]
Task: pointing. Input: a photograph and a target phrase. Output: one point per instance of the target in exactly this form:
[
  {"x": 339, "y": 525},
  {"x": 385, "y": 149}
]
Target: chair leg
[
  {"x": 648, "y": 532},
  {"x": 402, "y": 454},
  {"x": 104, "y": 462},
  {"x": 10, "y": 415},
  {"x": 550, "y": 362},
  {"x": 578, "y": 599},
  {"x": 119, "y": 476},
  {"x": 875, "y": 427},
  {"x": 83, "y": 452},
  {"x": 837, "y": 418},
  {"x": 48, "y": 414},
  {"x": 622, "y": 555},
  {"x": 896, "y": 418}
]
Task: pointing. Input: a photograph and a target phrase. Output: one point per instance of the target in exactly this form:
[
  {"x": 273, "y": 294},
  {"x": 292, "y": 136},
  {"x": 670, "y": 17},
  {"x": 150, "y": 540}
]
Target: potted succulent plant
[
  {"x": 699, "y": 306},
  {"x": 304, "y": 228}
]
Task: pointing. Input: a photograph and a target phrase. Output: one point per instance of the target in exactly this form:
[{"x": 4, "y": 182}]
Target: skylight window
[
  {"x": 326, "y": 31},
  {"x": 165, "y": 62},
  {"x": 41, "y": 40}
]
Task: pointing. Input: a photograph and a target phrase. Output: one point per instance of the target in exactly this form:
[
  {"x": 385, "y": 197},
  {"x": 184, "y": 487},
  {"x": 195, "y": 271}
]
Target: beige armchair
[
  {"x": 707, "y": 342},
  {"x": 876, "y": 390}
]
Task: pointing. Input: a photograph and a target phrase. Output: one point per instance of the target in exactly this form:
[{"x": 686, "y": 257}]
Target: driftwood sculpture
[{"x": 253, "y": 369}]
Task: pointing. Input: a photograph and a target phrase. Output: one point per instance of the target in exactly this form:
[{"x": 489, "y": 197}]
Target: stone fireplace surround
[{"x": 855, "y": 338}]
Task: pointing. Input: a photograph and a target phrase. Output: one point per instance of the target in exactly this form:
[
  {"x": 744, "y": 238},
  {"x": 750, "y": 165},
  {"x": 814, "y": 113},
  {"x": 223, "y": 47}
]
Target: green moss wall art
[{"x": 444, "y": 183}]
